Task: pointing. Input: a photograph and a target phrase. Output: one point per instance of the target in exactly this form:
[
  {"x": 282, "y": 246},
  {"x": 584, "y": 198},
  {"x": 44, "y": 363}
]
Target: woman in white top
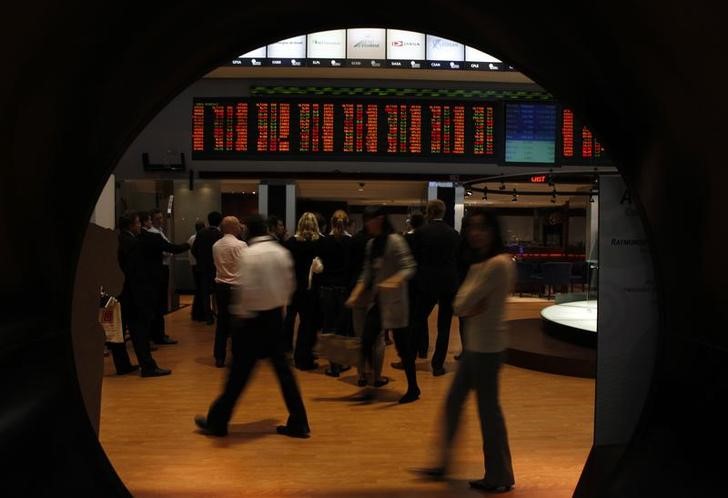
[{"x": 480, "y": 301}]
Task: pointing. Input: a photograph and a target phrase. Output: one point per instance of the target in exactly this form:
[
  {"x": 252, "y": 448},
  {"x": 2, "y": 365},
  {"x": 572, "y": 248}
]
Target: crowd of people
[{"x": 254, "y": 283}]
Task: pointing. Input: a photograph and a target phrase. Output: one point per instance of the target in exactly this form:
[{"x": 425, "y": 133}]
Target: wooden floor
[{"x": 358, "y": 448}]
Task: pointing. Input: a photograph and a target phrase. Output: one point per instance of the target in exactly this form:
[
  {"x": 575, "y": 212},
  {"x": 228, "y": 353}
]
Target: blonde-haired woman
[
  {"x": 335, "y": 253},
  {"x": 304, "y": 247}
]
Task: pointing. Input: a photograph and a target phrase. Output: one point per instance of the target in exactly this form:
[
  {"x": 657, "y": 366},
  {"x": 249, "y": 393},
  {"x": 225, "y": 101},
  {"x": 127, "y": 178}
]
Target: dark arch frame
[{"x": 71, "y": 66}]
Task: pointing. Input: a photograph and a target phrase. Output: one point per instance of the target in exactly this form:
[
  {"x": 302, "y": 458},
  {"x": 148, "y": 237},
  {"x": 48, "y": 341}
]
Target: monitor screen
[
  {"x": 344, "y": 128},
  {"x": 530, "y": 133},
  {"x": 444, "y": 54}
]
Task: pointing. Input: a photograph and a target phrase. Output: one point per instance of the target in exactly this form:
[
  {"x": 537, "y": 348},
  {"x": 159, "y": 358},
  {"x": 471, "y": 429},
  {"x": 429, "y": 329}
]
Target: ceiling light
[{"x": 468, "y": 193}]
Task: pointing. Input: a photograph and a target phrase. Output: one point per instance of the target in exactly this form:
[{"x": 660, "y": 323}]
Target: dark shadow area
[{"x": 643, "y": 77}]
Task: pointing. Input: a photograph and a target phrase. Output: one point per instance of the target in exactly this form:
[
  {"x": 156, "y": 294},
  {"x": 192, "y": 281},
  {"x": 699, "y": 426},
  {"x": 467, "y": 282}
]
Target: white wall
[{"x": 104, "y": 214}]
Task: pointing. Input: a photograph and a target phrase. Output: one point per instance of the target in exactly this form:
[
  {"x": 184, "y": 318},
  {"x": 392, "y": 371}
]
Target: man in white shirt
[
  {"x": 159, "y": 335},
  {"x": 264, "y": 287},
  {"x": 226, "y": 254}
]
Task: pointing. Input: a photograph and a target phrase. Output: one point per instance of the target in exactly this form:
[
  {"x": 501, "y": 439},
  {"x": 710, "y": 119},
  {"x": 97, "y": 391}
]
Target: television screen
[{"x": 530, "y": 133}]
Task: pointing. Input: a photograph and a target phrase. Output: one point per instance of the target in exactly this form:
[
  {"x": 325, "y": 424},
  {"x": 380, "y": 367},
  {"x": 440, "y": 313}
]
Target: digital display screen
[
  {"x": 327, "y": 48},
  {"x": 530, "y": 133},
  {"x": 578, "y": 145},
  {"x": 366, "y": 47},
  {"x": 444, "y": 54},
  {"x": 357, "y": 129},
  {"x": 289, "y": 52},
  {"x": 405, "y": 49},
  {"x": 478, "y": 60}
]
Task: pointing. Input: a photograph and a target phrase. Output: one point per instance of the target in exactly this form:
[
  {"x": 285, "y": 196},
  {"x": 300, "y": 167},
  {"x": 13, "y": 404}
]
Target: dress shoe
[
  {"x": 166, "y": 341},
  {"x": 398, "y": 365},
  {"x": 410, "y": 396},
  {"x": 483, "y": 485},
  {"x": 201, "y": 423},
  {"x": 438, "y": 371},
  {"x": 130, "y": 369},
  {"x": 431, "y": 473},
  {"x": 219, "y": 363},
  {"x": 361, "y": 382},
  {"x": 331, "y": 372},
  {"x": 152, "y": 347},
  {"x": 284, "y": 430},
  {"x": 157, "y": 372},
  {"x": 381, "y": 382}
]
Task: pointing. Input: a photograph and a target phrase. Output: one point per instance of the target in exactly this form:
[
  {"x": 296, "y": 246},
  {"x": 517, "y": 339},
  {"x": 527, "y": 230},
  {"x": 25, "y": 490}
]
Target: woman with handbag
[
  {"x": 304, "y": 247},
  {"x": 335, "y": 254},
  {"x": 388, "y": 265}
]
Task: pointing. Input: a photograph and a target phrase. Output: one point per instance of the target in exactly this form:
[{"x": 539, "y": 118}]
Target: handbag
[
  {"x": 110, "y": 319},
  {"x": 339, "y": 348}
]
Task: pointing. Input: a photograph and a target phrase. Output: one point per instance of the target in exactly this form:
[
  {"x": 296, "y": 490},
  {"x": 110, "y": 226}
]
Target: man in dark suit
[
  {"x": 140, "y": 258},
  {"x": 202, "y": 251},
  {"x": 435, "y": 248}
]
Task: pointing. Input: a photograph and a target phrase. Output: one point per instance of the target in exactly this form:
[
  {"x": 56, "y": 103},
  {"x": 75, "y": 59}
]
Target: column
[
  {"x": 278, "y": 197},
  {"x": 454, "y": 198}
]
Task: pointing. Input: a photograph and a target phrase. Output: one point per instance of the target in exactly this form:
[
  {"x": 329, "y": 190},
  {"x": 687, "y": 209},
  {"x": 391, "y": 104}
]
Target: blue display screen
[{"x": 530, "y": 133}]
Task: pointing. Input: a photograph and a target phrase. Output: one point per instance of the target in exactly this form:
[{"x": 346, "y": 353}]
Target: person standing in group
[
  {"x": 304, "y": 247},
  {"x": 159, "y": 335},
  {"x": 198, "y": 314},
  {"x": 359, "y": 311},
  {"x": 435, "y": 249},
  {"x": 142, "y": 259},
  {"x": 226, "y": 254},
  {"x": 264, "y": 286},
  {"x": 481, "y": 302},
  {"x": 129, "y": 227},
  {"x": 277, "y": 229},
  {"x": 388, "y": 265},
  {"x": 335, "y": 254},
  {"x": 202, "y": 251}
]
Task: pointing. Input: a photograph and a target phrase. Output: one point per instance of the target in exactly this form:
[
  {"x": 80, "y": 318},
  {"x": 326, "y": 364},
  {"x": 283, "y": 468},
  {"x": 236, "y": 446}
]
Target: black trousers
[
  {"x": 207, "y": 289},
  {"x": 158, "y": 330},
  {"x": 302, "y": 304},
  {"x": 254, "y": 339},
  {"x": 140, "y": 325},
  {"x": 222, "y": 329},
  {"x": 402, "y": 341},
  {"x": 120, "y": 356},
  {"x": 198, "y": 313},
  {"x": 425, "y": 302},
  {"x": 336, "y": 316}
]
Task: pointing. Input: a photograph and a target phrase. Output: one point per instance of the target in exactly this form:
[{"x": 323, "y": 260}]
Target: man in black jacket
[
  {"x": 140, "y": 258},
  {"x": 202, "y": 251},
  {"x": 435, "y": 248}
]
